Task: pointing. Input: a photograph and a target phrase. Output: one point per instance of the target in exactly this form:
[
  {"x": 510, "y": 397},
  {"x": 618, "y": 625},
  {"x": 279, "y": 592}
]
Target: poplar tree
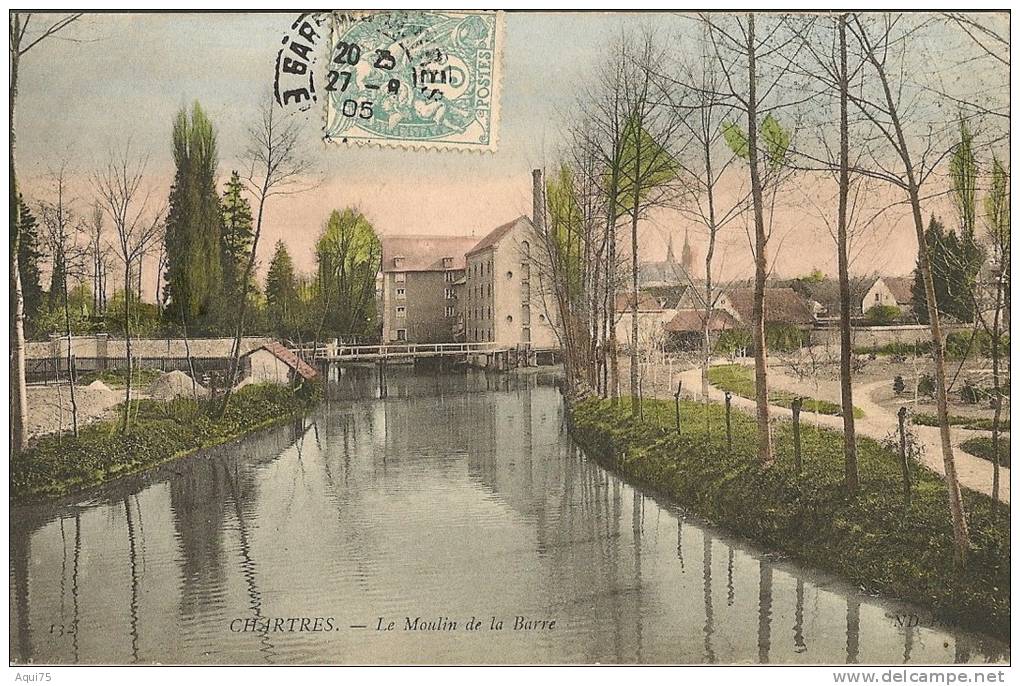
[{"x": 194, "y": 221}]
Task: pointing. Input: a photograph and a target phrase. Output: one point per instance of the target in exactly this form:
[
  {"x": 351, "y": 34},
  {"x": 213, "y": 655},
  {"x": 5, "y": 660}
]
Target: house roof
[
  {"x": 424, "y": 253},
  {"x": 689, "y": 321},
  {"x": 282, "y": 353},
  {"x": 900, "y": 287},
  {"x": 494, "y": 236},
  {"x": 783, "y": 305},
  {"x": 825, "y": 292},
  {"x": 668, "y": 296},
  {"x": 646, "y": 302}
]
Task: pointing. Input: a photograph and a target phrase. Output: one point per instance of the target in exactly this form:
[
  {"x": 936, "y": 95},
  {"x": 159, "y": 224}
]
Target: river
[{"x": 457, "y": 500}]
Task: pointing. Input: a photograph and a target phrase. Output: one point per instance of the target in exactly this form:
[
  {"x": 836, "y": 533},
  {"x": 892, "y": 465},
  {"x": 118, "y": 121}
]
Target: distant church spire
[
  {"x": 670, "y": 257},
  {"x": 687, "y": 255}
]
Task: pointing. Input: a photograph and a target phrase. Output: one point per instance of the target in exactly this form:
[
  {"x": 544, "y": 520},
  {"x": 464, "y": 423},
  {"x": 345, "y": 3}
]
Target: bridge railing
[{"x": 393, "y": 350}]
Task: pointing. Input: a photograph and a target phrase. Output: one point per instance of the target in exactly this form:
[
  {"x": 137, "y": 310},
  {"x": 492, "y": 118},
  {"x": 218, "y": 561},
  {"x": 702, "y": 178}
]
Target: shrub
[
  {"x": 882, "y": 315},
  {"x": 969, "y": 393},
  {"x": 898, "y": 386},
  {"x": 981, "y": 446},
  {"x": 926, "y": 385},
  {"x": 733, "y": 341}
]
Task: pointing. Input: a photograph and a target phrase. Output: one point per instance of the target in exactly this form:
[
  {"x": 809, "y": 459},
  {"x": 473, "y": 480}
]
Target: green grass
[
  {"x": 872, "y": 540},
  {"x": 979, "y": 423},
  {"x": 981, "y": 446},
  {"x": 162, "y": 430},
  {"x": 117, "y": 378},
  {"x": 739, "y": 380}
]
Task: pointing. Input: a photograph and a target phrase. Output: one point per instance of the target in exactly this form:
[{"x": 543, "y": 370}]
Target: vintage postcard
[{"x": 486, "y": 337}]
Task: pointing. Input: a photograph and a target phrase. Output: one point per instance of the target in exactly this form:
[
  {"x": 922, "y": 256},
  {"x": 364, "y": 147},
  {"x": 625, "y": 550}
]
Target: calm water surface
[{"x": 455, "y": 497}]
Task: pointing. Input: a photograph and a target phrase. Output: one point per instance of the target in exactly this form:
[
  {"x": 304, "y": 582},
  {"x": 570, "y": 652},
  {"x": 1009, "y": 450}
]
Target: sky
[{"x": 115, "y": 78}]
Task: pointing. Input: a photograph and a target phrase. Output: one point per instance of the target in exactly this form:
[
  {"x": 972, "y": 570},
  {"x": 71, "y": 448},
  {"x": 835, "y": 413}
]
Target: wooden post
[
  {"x": 797, "y": 403},
  {"x": 729, "y": 429},
  {"x": 904, "y": 464},
  {"x": 676, "y": 398}
]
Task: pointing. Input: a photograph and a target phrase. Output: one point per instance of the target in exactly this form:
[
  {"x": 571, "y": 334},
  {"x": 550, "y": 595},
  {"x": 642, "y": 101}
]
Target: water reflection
[{"x": 439, "y": 495}]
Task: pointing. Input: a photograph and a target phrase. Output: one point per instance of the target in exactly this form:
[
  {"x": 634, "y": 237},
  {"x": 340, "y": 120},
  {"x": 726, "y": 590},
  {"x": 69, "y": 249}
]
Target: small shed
[{"x": 274, "y": 363}]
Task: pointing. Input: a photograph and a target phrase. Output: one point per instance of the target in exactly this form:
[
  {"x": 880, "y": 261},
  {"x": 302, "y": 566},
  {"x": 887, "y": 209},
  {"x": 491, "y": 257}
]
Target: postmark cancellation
[{"x": 414, "y": 79}]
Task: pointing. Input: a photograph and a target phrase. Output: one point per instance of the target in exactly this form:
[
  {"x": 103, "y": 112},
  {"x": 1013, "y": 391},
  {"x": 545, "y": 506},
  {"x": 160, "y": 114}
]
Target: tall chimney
[{"x": 537, "y": 200}]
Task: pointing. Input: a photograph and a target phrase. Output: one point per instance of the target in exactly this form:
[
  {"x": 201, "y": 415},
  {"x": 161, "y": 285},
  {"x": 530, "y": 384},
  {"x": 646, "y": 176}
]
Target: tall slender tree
[
  {"x": 235, "y": 236},
  {"x": 194, "y": 219},
  {"x": 282, "y": 292}
]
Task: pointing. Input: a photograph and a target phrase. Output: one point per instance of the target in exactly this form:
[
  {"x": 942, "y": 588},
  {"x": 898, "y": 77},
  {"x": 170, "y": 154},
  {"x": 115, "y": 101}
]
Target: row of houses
[{"x": 676, "y": 312}]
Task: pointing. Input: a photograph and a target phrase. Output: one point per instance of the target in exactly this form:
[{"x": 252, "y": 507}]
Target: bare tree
[
  {"x": 68, "y": 259},
  {"x": 916, "y": 150},
  {"x": 652, "y": 136},
  {"x": 752, "y": 69},
  {"x": 126, "y": 203},
  {"x": 21, "y": 41},
  {"x": 276, "y": 168},
  {"x": 705, "y": 198}
]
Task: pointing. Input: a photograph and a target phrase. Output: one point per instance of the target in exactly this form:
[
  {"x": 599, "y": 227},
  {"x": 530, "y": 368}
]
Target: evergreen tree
[
  {"x": 281, "y": 291},
  {"x": 29, "y": 256},
  {"x": 235, "y": 236},
  {"x": 194, "y": 220},
  {"x": 935, "y": 243}
]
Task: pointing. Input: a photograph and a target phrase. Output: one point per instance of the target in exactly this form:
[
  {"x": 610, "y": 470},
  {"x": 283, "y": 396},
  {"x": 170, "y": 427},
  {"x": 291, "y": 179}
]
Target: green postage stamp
[{"x": 420, "y": 79}]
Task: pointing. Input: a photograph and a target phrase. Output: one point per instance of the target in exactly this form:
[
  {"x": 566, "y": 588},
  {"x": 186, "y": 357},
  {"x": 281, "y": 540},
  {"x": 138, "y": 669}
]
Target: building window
[
  {"x": 401, "y": 311},
  {"x": 449, "y": 310},
  {"x": 450, "y": 277},
  {"x": 401, "y": 293},
  {"x": 401, "y": 334},
  {"x": 399, "y": 277},
  {"x": 449, "y": 294},
  {"x": 509, "y": 275},
  {"x": 447, "y": 262},
  {"x": 509, "y": 319}
]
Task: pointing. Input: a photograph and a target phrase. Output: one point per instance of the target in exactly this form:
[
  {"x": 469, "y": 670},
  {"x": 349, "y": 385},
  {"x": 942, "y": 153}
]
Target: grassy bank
[
  {"x": 871, "y": 540},
  {"x": 981, "y": 446},
  {"x": 163, "y": 430},
  {"x": 980, "y": 423},
  {"x": 739, "y": 380}
]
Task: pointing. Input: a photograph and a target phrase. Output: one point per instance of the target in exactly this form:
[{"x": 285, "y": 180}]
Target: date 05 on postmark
[{"x": 418, "y": 79}]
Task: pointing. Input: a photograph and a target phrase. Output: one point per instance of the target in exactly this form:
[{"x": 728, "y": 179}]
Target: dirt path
[{"x": 879, "y": 423}]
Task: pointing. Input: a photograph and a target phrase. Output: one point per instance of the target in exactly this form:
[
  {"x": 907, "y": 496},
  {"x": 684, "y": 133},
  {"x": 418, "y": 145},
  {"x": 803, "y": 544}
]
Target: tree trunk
[
  {"x": 70, "y": 367},
  {"x": 996, "y": 385},
  {"x": 614, "y": 360},
  {"x": 19, "y": 392},
  {"x": 851, "y": 474},
  {"x": 635, "y": 399},
  {"x": 127, "y": 342},
  {"x": 758, "y": 314},
  {"x": 709, "y": 254}
]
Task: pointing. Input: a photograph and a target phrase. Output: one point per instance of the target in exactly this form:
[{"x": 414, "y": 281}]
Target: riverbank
[
  {"x": 60, "y": 464},
  {"x": 871, "y": 540}
]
